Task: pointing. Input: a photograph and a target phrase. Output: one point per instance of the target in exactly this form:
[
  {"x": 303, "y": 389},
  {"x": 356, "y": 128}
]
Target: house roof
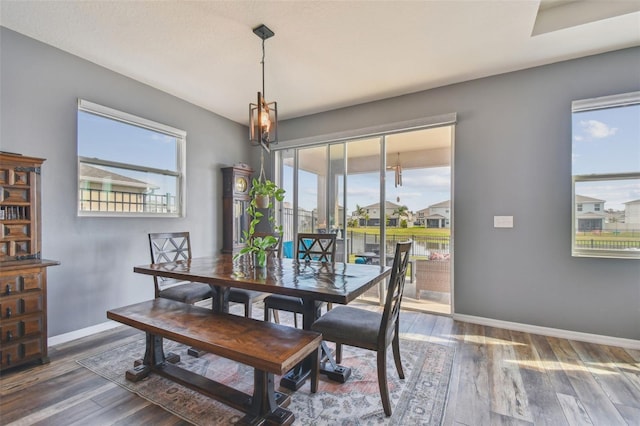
[
  {"x": 97, "y": 174},
  {"x": 388, "y": 205},
  {"x": 442, "y": 204},
  {"x": 585, "y": 199}
]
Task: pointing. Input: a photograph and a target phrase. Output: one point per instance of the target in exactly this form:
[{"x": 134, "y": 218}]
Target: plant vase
[
  {"x": 259, "y": 259},
  {"x": 262, "y": 201}
]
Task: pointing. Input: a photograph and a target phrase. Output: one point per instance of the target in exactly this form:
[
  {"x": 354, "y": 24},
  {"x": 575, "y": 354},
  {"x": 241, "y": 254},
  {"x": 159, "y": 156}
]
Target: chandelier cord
[
  {"x": 261, "y": 177},
  {"x": 264, "y": 96}
]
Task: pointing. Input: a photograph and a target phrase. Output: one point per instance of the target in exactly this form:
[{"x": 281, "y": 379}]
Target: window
[
  {"x": 606, "y": 176},
  {"x": 127, "y": 165}
]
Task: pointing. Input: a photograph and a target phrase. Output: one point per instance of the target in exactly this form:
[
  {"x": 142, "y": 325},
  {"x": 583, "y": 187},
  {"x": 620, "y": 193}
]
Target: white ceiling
[{"x": 325, "y": 54}]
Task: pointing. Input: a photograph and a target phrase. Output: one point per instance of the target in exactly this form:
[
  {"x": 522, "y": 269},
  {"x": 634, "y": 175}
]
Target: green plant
[{"x": 261, "y": 245}]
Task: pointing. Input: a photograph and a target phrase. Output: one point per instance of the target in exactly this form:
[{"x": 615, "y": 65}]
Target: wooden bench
[{"x": 267, "y": 347}]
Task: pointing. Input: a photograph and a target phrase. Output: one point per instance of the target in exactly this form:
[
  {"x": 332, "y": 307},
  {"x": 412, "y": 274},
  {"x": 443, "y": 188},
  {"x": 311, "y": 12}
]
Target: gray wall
[
  {"x": 39, "y": 90},
  {"x": 513, "y": 157}
]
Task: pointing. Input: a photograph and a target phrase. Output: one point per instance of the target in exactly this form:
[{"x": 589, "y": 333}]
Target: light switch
[{"x": 503, "y": 221}]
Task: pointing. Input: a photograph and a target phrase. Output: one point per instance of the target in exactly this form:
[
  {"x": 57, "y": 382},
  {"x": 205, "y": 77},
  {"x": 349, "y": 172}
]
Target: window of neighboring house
[
  {"x": 127, "y": 165},
  {"x": 606, "y": 176}
]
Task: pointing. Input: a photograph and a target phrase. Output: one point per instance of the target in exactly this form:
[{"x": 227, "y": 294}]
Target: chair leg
[
  {"x": 382, "y": 381},
  {"x": 276, "y": 316},
  {"x": 248, "y": 309},
  {"x": 295, "y": 320},
  {"x": 338, "y": 353},
  {"x": 395, "y": 344},
  {"x": 267, "y": 317},
  {"x": 315, "y": 369}
]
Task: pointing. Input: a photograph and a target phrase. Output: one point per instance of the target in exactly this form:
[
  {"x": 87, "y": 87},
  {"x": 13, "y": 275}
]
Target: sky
[
  {"x": 420, "y": 189},
  {"x": 607, "y": 141},
  {"x": 111, "y": 140},
  {"x": 604, "y": 141}
]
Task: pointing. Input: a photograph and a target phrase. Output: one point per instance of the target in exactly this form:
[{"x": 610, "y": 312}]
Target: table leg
[{"x": 295, "y": 378}]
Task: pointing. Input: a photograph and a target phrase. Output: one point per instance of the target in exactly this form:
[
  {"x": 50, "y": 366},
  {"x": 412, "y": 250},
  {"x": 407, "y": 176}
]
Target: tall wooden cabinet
[{"x": 23, "y": 273}]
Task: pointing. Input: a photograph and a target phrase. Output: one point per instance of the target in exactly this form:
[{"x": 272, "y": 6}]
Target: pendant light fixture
[{"x": 263, "y": 115}]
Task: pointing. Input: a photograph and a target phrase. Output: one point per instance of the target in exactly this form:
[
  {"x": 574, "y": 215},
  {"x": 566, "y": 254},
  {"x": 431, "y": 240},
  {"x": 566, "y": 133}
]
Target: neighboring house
[
  {"x": 435, "y": 216},
  {"x": 103, "y": 190},
  {"x": 374, "y": 214},
  {"x": 590, "y": 214},
  {"x": 632, "y": 211}
]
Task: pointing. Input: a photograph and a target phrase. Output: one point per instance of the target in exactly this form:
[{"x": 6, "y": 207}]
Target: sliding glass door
[{"x": 373, "y": 192}]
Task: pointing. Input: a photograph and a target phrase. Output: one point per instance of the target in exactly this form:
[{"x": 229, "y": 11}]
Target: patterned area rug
[{"x": 419, "y": 399}]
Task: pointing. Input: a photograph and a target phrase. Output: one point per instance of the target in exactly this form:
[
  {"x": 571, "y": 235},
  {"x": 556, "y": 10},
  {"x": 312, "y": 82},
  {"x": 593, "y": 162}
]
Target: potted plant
[{"x": 262, "y": 195}]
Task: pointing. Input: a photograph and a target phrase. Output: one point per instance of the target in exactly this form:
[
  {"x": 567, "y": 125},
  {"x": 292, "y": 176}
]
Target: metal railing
[{"x": 97, "y": 200}]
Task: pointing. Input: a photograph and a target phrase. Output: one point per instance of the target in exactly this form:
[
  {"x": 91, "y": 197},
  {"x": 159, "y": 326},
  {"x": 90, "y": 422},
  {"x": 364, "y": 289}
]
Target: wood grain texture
[{"x": 559, "y": 386}]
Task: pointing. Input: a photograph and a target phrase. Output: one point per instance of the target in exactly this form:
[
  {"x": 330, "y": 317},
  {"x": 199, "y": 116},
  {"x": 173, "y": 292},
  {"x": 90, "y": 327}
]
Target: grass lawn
[{"x": 391, "y": 231}]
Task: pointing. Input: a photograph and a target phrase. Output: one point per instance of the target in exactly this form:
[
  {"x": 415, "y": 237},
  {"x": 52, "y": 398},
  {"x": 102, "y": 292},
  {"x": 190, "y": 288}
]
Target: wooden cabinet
[
  {"x": 236, "y": 184},
  {"x": 23, "y": 274}
]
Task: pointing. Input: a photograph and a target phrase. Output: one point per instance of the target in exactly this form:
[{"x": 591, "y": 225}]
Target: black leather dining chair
[
  {"x": 174, "y": 246},
  {"x": 317, "y": 247},
  {"x": 171, "y": 247},
  {"x": 249, "y": 297},
  {"x": 347, "y": 325}
]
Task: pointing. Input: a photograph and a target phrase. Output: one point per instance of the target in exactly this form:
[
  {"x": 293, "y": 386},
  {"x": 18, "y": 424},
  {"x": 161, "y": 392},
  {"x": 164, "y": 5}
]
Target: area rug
[{"x": 419, "y": 399}]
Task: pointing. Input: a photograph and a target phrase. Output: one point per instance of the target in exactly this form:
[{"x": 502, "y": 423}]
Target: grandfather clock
[{"x": 236, "y": 184}]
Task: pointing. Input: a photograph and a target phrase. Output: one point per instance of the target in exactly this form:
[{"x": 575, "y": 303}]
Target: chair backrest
[
  {"x": 168, "y": 247},
  {"x": 320, "y": 247},
  {"x": 390, "y": 324},
  {"x": 275, "y": 251}
]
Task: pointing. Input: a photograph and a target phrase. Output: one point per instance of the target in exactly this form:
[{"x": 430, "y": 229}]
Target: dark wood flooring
[{"x": 500, "y": 377}]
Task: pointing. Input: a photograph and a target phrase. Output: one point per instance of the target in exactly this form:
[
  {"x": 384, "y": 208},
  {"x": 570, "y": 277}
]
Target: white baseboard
[
  {"x": 552, "y": 332},
  {"x": 84, "y": 332}
]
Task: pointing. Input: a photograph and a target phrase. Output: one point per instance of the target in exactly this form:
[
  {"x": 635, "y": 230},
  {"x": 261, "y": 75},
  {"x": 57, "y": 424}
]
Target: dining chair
[
  {"x": 347, "y": 325},
  {"x": 174, "y": 246},
  {"x": 249, "y": 297},
  {"x": 317, "y": 247},
  {"x": 171, "y": 247}
]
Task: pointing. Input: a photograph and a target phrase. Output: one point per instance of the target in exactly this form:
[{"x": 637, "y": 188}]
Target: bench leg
[
  {"x": 153, "y": 356},
  {"x": 264, "y": 404}
]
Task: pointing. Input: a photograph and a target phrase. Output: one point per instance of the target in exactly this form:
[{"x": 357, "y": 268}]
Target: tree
[
  {"x": 361, "y": 212},
  {"x": 402, "y": 212}
]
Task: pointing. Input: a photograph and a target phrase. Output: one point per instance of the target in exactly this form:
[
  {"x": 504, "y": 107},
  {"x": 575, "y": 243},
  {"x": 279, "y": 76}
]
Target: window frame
[
  {"x": 129, "y": 119},
  {"x": 613, "y": 101}
]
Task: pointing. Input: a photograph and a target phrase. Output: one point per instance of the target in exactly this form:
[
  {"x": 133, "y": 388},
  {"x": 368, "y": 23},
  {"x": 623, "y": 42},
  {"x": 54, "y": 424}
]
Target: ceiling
[{"x": 325, "y": 54}]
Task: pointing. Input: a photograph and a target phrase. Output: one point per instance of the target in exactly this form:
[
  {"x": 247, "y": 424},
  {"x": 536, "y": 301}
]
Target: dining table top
[{"x": 323, "y": 281}]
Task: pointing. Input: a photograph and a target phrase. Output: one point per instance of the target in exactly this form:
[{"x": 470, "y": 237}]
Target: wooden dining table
[{"x": 311, "y": 281}]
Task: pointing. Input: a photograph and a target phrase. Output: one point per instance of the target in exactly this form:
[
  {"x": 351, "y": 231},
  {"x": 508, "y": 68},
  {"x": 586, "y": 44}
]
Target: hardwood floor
[{"x": 499, "y": 377}]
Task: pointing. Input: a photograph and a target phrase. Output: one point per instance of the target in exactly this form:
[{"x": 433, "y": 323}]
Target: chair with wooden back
[
  {"x": 346, "y": 325},
  {"x": 317, "y": 247},
  {"x": 249, "y": 297},
  {"x": 172, "y": 247}
]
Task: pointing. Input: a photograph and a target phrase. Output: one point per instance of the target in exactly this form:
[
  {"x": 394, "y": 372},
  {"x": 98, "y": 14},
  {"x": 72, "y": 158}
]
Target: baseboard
[
  {"x": 552, "y": 332},
  {"x": 84, "y": 332}
]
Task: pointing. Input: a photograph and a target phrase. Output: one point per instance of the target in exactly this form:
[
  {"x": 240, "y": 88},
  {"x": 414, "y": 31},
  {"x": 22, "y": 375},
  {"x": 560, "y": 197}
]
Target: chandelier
[{"x": 263, "y": 115}]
